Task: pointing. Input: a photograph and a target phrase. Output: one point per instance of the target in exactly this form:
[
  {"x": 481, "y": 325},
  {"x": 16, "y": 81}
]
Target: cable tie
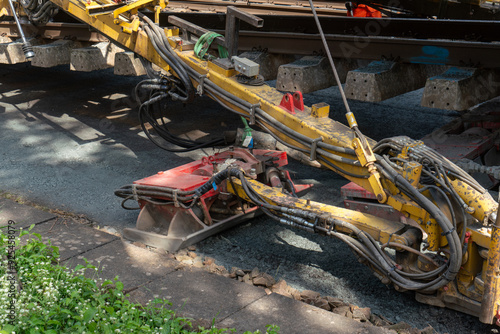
[
  {"x": 448, "y": 232},
  {"x": 176, "y": 200},
  {"x": 134, "y": 191},
  {"x": 447, "y": 276},
  {"x": 332, "y": 225},
  {"x": 253, "y": 107},
  {"x": 201, "y": 85},
  {"x": 390, "y": 237},
  {"x": 314, "y": 146}
]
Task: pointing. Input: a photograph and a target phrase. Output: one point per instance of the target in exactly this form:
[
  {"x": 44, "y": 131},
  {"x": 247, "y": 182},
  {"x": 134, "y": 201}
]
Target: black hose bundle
[
  {"x": 178, "y": 89},
  {"x": 151, "y": 194},
  {"x": 39, "y": 11}
]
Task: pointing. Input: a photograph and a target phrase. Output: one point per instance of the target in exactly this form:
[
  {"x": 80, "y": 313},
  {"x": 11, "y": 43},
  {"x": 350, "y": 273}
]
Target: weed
[{"x": 50, "y": 298}]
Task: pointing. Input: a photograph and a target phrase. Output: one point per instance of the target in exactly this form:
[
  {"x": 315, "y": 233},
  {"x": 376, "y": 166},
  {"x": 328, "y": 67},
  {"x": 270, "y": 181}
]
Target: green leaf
[
  {"x": 119, "y": 286},
  {"x": 110, "y": 310},
  {"x": 54, "y": 322},
  {"x": 92, "y": 326},
  {"x": 7, "y": 329},
  {"x": 78, "y": 267},
  {"x": 89, "y": 314}
]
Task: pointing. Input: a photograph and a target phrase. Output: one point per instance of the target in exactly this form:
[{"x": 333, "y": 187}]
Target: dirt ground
[{"x": 69, "y": 139}]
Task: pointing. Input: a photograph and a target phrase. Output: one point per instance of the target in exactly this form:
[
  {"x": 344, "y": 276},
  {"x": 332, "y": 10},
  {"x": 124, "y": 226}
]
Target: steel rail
[
  {"x": 259, "y": 7},
  {"x": 439, "y": 42},
  {"x": 468, "y": 30}
]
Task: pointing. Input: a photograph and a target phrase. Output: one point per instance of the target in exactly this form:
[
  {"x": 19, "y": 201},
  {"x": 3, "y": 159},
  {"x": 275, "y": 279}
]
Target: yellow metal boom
[{"x": 459, "y": 267}]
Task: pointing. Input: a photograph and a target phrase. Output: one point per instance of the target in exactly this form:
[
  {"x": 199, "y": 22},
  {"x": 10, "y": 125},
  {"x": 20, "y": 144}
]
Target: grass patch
[{"x": 45, "y": 297}]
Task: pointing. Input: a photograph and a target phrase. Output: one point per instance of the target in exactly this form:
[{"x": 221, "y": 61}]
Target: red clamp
[
  {"x": 467, "y": 237},
  {"x": 291, "y": 102}
]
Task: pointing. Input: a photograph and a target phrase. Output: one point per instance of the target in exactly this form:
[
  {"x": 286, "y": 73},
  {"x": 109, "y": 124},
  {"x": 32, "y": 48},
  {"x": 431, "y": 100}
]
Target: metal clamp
[
  {"x": 253, "y": 107},
  {"x": 233, "y": 17},
  {"x": 134, "y": 191},
  {"x": 314, "y": 146},
  {"x": 201, "y": 85},
  {"x": 176, "y": 200}
]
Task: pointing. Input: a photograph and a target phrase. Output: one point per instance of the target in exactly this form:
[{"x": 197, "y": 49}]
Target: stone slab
[
  {"x": 133, "y": 265},
  {"x": 294, "y": 317},
  {"x": 381, "y": 80},
  {"x": 72, "y": 238},
  {"x": 23, "y": 215},
  {"x": 198, "y": 294},
  {"x": 461, "y": 88}
]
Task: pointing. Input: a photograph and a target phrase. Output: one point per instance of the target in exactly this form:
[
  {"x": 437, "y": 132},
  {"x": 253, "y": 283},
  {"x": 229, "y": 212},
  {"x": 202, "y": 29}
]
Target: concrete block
[
  {"x": 381, "y": 80},
  {"x": 53, "y": 54},
  {"x": 269, "y": 62},
  {"x": 126, "y": 63},
  {"x": 461, "y": 88},
  {"x": 311, "y": 73},
  {"x": 5, "y": 39},
  {"x": 12, "y": 52},
  {"x": 95, "y": 57}
]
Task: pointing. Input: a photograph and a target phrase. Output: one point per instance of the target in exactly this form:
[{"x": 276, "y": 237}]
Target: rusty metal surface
[
  {"x": 53, "y": 31},
  {"x": 282, "y": 7}
]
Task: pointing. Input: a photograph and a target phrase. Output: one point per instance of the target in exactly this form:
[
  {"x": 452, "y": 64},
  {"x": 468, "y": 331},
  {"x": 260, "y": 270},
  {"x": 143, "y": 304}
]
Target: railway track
[
  {"x": 260, "y": 7},
  {"x": 466, "y": 43}
]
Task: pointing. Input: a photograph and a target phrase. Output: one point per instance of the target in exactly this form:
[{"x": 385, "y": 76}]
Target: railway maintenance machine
[{"x": 447, "y": 247}]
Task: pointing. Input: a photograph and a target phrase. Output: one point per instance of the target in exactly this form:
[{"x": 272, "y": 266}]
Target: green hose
[
  {"x": 203, "y": 44},
  {"x": 246, "y": 139}
]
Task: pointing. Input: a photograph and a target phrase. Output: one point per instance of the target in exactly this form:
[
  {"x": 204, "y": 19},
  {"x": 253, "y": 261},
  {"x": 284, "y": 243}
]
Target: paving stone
[
  {"x": 294, "y": 317},
  {"x": 197, "y": 293},
  {"x": 23, "y": 215},
  {"x": 71, "y": 237},
  {"x": 133, "y": 265}
]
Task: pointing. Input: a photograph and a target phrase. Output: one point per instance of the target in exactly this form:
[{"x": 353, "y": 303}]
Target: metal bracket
[
  {"x": 201, "y": 85},
  {"x": 314, "y": 146},
  {"x": 233, "y": 17},
  {"x": 252, "y": 113},
  {"x": 291, "y": 102}
]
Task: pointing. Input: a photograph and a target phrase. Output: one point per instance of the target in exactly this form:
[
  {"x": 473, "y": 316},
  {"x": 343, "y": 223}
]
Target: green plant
[{"x": 51, "y": 298}]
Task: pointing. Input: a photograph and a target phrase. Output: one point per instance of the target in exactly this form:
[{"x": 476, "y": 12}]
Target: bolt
[{"x": 366, "y": 207}]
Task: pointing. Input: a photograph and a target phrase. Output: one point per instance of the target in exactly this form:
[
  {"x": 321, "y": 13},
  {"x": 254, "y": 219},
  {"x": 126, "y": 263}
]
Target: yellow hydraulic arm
[{"x": 454, "y": 215}]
